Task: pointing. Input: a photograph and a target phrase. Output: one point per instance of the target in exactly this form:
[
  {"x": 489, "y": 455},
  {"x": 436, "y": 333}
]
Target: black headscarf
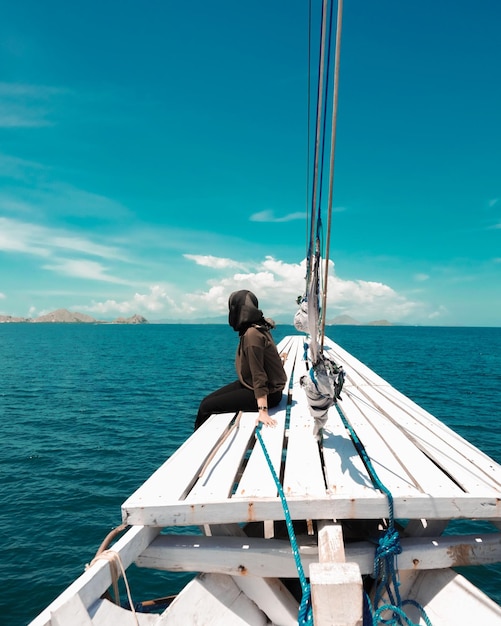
[{"x": 244, "y": 311}]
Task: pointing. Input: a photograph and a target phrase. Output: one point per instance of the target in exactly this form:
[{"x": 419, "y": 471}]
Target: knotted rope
[{"x": 116, "y": 568}]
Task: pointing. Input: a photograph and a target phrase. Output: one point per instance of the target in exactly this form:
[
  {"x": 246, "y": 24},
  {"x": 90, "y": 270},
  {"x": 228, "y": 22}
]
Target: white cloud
[
  {"x": 34, "y": 192},
  {"x": 35, "y": 240},
  {"x": 212, "y": 261},
  {"x": 18, "y": 169},
  {"x": 24, "y": 91},
  {"x": 159, "y": 299},
  {"x": 22, "y": 237},
  {"x": 269, "y": 216},
  {"x": 440, "y": 312},
  {"x": 85, "y": 246},
  {"x": 25, "y": 106},
  {"x": 84, "y": 269},
  {"x": 420, "y": 277},
  {"x": 277, "y": 285}
]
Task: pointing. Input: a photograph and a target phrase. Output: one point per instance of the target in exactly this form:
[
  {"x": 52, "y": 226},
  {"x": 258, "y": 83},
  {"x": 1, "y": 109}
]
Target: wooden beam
[
  {"x": 71, "y": 612},
  {"x": 336, "y": 594},
  {"x": 330, "y": 543},
  {"x": 213, "y": 600},
  {"x": 273, "y": 558},
  {"x": 272, "y": 597},
  {"x": 269, "y": 594},
  {"x": 336, "y": 586},
  {"x": 373, "y": 505}
]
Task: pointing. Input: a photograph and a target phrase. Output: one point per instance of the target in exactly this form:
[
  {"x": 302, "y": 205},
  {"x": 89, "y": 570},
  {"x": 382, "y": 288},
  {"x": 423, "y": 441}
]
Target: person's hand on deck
[{"x": 265, "y": 418}]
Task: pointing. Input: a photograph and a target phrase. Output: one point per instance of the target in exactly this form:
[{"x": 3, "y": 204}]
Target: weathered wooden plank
[
  {"x": 272, "y": 597},
  {"x": 269, "y": 594},
  {"x": 345, "y": 473},
  {"x": 273, "y": 558},
  {"x": 218, "y": 600},
  {"x": 447, "y": 452},
  {"x": 450, "y": 599},
  {"x": 428, "y": 432},
  {"x": 399, "y": 464},
  {"x": 336, "y": 594},
  {"x": 372, "y": 506},
  {"x": 105, "y": 613},
  {"x": 303, "y": 470},
  {"x": 218, "y": 478},
  {"x": 257, "y": 479},
  {"x": 287, "y": 344},
  {"x": 174, "y": 477},
  {"x": 330, "y": 543},
  {"x": 234, "y": 556},
  {"x": 386, "y": 463},
  {"x": 71, "y": 612},
  {"x": 303, "y": 473}
]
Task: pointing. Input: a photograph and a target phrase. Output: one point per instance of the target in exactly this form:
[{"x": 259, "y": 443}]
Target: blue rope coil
[{"x": 305, "y": 613}]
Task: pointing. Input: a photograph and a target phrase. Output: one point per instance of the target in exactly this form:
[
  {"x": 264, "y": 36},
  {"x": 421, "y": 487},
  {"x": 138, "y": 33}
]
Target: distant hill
[
  {"x": 9, "y": 319},
  {"x": 135, "y": 319},
  {"x": 63, "y": 316},
  {"x": 66, "y": 317},
  {"x": 346, "y": 320}
]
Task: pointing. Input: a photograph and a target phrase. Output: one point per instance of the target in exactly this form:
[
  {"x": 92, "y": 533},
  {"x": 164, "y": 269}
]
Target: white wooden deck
[{"x": 431, "y": 471}]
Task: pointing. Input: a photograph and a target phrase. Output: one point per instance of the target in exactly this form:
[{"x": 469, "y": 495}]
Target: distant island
[
  {"x": 346, "y": 320},
  {"x": 63, "y": 316},
  {"x": 340, "y": 320}
]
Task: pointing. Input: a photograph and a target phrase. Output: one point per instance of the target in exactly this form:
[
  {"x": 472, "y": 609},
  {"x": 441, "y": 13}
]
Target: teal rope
[
  {"x": 376, "y": 619},
  {"x": 385, "y": 558},
  {"x": 305, "y": 614}
]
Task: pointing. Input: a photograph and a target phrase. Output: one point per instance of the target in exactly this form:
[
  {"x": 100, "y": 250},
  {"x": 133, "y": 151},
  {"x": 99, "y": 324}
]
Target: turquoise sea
[{"x": 88, "y": 412}]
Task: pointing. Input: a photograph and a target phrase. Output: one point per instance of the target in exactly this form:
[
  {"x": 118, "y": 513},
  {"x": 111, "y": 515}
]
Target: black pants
[{"x": 232, "y": 398}]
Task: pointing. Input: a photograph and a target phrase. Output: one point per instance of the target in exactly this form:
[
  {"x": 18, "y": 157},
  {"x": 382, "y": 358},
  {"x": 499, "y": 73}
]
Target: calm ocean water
[{"x": 88, "y": 412}]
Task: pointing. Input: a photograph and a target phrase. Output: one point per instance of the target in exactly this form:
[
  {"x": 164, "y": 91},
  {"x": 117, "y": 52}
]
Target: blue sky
[{"x": 153, "y": 159}]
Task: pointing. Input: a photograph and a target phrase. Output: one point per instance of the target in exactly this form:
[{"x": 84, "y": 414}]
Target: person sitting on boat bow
[{"x": 261, "y": 376}]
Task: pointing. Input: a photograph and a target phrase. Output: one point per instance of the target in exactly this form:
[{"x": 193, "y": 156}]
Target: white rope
[{"x": 116, "y": 566}]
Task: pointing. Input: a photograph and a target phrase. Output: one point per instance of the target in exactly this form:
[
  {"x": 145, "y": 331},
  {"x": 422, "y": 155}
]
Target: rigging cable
[
  {"x": 331, "y": 167},
  {"x": 308, "y": 117},
  {"x": 313, "y": 218},
  {"x": 319, "y": 150}
]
